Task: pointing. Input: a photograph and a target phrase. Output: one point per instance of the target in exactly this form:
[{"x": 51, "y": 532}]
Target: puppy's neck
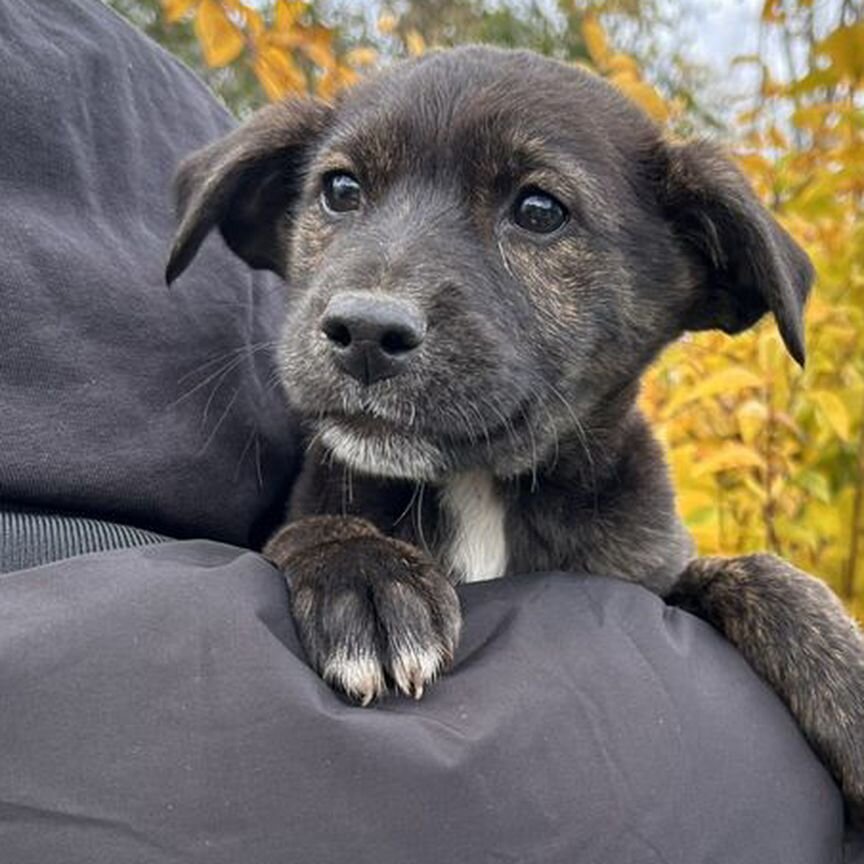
[{"x": 589, "y": 450}]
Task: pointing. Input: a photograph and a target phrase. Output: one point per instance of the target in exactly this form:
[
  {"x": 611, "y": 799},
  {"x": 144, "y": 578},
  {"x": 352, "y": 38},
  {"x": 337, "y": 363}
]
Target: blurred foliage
[
  {"x": 236, "y": 85},
  {"x": 249, "y": 51},
  {"x": 765, "y": 456}
]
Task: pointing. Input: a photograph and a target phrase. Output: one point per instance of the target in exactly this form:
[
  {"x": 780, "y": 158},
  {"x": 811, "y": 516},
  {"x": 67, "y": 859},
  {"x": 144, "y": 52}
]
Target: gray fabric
[
  {"x": 123, "y": 400},
  {"x": 160, "y": 710},
  {"x": 154, "y": 705},
  {"x": 30, "y": 538}
]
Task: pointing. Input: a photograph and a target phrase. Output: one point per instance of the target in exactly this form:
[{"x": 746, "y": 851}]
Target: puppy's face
[{"x": 484, "y": 249}]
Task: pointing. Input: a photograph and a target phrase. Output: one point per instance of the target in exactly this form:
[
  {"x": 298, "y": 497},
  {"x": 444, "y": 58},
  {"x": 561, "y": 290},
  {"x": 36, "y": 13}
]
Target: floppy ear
[
  {"x": 748, "y": 264},
  {"x": 246, "y": 183}
]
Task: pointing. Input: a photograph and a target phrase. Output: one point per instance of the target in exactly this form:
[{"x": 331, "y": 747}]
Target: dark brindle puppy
[{"x": 485, "y": 250}]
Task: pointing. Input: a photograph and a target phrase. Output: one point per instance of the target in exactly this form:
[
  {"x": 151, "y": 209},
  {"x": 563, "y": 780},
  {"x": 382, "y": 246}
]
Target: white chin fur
[{"x": 392, "y": 456}]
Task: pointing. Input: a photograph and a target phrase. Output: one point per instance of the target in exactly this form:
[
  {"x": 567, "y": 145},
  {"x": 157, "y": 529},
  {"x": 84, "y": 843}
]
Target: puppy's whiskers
[
  {"x": 466, "y": 421},
  {"x": 315, "y": 438},
  {"x": 582, "y": 437},
  {"x": 237, "y": 357},
  {"x": 414, "y": 495},
  {"x": 227, "y": 355},
  {"x": 534, "y": 457},
  {"x": 218, "y": 425},
  {"x": 418, "y": 517},
  {"x": 504, "y": 421},
  {"x": 504, "y": 259},
  {"x": 252, "y": 433},
  {"x": 552, "y": 426}
]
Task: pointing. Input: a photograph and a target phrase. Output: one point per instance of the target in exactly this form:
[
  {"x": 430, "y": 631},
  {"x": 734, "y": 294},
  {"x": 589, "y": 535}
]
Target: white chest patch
[{"x": 476, "y": 549}]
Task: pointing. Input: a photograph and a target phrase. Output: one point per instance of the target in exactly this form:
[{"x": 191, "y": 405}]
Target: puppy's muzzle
[{"x": 372, "y": 337}]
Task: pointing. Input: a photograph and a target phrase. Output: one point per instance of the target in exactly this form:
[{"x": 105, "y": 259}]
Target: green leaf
[{"x": 815, "y": 484}]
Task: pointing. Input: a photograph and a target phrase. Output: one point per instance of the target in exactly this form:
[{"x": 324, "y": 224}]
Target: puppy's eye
[
  {"x": 341, "y": 192},
  {"x": 537, "y": 211}
]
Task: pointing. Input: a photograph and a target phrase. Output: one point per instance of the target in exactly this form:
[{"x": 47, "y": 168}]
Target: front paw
[
  {"x": 371, "y": 611},
  {"x": 794, "y": 631}
]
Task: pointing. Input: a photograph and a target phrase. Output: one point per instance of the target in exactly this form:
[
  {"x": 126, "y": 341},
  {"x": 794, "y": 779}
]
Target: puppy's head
[{"x": 484, "y": 249}]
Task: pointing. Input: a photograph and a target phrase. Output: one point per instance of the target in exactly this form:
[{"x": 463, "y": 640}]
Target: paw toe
[
  {"x": 359, "y": 676},
  {"x": 415, "y": 666}
]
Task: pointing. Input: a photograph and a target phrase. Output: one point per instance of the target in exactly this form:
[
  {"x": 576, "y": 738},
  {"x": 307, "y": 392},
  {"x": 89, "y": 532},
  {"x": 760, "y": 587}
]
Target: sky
[
  {"x": 725, "y": 29},
  {"x": 714, "y": 32}
]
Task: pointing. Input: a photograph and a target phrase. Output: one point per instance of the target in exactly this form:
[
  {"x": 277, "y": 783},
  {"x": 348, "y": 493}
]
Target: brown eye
[
  {"x": 341, "y": 192},
  {"x": 539, "y": 212}
]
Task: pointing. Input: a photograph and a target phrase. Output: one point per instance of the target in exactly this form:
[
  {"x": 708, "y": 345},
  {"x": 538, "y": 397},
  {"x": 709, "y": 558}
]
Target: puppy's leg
[
  {"x": 369, "y": 609},
  {"x": 797, "y": 636}
]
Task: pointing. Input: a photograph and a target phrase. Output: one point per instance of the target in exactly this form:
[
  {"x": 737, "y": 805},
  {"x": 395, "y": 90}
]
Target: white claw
[
  {"x": 414, "y": 667},
  {"x": 360, "y": 676}
]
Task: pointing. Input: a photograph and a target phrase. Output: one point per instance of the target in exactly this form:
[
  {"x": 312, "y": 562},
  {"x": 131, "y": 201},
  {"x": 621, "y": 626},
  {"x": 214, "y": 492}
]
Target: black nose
[{"x": 372, "y": 337}]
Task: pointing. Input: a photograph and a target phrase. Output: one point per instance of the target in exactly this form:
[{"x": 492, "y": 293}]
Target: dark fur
[{"x": 530, "y": 368}]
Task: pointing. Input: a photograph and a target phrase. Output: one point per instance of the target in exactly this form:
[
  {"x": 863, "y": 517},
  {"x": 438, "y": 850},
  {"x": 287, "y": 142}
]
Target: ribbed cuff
[{"x": 31, "y": 538}]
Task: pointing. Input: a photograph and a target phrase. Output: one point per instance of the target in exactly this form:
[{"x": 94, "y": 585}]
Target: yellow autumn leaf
[
  {"x": 810, "y": 116},
  {"x": 777, "y": 138},
  {"x": 334, "y": 79},
  {"x": 288, "y": 13},
  {"x": 727, "y": 456},
  {"x": 315, "y": 41},
  {"x": 596, "y": 42},
  {"x": 221, "y": 40},
  {"x": 815, "y": 79},
  {"x": 693, "y": 500},
  {"x": 317, "y": 45},
  {"x": 642, "y": 94},
  {"x": 277, "y": 72},
  {"x": 705, "y": 529},
  {"x": 286, "y": 40},
  {"x": 757, "y": 490},
  {"x": 800, "y": 534},
  {"x": 174, "y": 10},
  {"x": 623, "y": 63},
  {"x": 825, "y": 518},
  {"x": 751, "y": 417},
  {"x": 415, "y": 43},
  {"x": 362, "y": 56},
  {"x": 731, "y": 379},
  {"x": 756, "y": 166},
  {"x": 769, "y": 348},
  {"x": 745, "y": 118},
  {"x": 845, "y": 47},
  {"x": 387, "y": 24},
  {"x": 772, "y": 11},
  {"x": 244, "y": 17},
  {"x": 770, "y": 87},
  {"x": 834, "y": 411}
]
